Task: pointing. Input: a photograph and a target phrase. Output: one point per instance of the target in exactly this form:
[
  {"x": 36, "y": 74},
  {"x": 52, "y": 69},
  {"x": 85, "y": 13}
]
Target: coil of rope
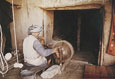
[{"x": 2, "y": 58}]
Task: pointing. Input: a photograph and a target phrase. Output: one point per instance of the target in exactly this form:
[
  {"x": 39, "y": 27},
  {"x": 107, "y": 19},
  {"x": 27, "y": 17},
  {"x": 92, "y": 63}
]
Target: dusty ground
[
  {"x": 74, "y": 70},
  {"x": 86, "y": 56}
]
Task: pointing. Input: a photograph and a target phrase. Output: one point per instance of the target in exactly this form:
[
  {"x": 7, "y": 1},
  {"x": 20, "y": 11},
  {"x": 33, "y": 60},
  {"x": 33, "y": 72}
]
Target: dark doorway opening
[{"x": 66, "y": 28}]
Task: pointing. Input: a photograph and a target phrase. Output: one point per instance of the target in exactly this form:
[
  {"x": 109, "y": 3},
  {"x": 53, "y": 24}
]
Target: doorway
[{"x": 66, "y": 28}]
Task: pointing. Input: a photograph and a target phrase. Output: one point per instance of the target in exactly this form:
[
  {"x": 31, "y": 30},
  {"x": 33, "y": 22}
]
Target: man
[{"x": 34, "y": 53}]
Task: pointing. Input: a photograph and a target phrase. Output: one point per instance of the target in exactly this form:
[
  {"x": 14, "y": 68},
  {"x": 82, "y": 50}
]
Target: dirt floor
[
  {"x": 86, "y": 56},
  {"x": 74, "y": 70}
]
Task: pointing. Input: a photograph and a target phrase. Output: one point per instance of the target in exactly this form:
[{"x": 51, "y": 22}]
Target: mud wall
[
  {"x": 107, "y": 59},
  {"x": 26, "y": 14}
]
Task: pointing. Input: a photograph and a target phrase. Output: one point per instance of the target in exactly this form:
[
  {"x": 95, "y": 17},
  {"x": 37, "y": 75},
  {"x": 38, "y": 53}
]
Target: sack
[{"x": 51, "y": 72}]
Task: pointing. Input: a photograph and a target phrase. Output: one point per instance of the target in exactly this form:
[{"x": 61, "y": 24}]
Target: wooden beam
[
  {"x": 48, "y": 26},
  {"x": 65, "y": 3},
  {"x": 77, "y": 7}
]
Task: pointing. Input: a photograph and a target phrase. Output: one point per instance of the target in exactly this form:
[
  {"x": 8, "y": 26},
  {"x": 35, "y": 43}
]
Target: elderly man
[{"x": 34, "y": 53}]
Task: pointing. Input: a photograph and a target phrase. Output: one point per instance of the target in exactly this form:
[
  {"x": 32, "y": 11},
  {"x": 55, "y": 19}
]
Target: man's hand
[{"x": 50, "y": 45}]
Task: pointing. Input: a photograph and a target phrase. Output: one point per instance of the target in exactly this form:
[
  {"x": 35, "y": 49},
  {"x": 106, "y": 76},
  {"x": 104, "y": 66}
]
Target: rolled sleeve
[{"x": 40, "y": 49}]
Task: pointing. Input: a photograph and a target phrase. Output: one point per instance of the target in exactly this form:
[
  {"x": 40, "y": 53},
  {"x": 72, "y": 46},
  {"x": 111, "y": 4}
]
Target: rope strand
[
  {"x": 3, "y": 60},
  {"x": 15, "y": 31}
]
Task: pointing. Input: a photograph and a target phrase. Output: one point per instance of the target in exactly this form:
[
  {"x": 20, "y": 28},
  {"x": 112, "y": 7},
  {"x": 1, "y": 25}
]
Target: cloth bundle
[{"x": 51, "y": 72}]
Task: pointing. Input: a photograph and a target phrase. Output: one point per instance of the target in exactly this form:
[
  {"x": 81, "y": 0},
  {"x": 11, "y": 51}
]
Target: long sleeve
[{"x": 40, "y": 49}]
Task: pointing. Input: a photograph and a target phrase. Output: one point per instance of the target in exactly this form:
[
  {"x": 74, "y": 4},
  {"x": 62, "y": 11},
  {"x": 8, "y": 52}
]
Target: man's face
[{"x": 36, "y": 34}]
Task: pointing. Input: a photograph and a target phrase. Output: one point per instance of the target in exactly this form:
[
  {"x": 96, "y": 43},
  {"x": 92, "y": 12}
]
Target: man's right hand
[{"x": 50, "y": 45}]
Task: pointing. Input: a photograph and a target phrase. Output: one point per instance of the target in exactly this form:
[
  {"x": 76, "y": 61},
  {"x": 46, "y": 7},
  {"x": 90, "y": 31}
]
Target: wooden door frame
[{"x": 49, "y": 26}]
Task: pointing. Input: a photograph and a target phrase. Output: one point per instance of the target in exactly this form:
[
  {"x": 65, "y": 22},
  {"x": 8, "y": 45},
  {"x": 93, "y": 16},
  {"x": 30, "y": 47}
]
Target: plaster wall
[
  {"x": 25, "y": 16},
  {"x": 107, "y": 59}
]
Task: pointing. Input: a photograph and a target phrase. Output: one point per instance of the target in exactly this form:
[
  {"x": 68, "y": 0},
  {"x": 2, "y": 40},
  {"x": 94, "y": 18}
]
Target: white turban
[{"x": 34, "y": 28}]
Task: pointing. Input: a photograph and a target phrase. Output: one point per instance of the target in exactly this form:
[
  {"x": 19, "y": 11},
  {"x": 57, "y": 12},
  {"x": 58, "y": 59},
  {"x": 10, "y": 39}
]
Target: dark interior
[
  {"x": 5, "y": 19},
  {"x": 65, "y": 28}
]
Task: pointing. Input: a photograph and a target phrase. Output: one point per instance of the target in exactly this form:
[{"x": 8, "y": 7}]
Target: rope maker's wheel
[{"x": 65, "y": 51}]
